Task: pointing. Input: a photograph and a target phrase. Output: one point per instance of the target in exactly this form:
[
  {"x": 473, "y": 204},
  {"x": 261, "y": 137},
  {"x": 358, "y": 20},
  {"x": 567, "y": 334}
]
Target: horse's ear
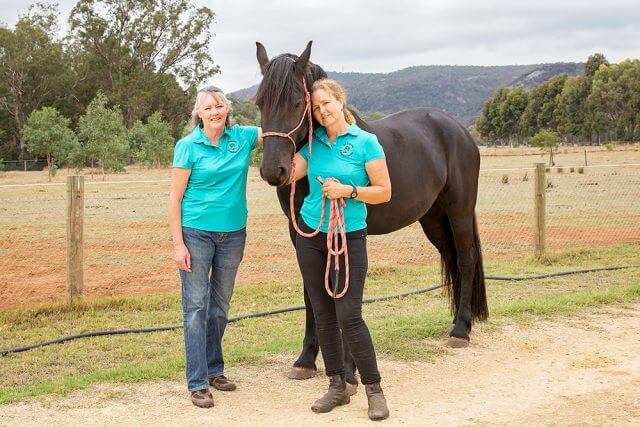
[
  {"x": 303, "y": 60},
  {"x": 263, "y": 59}
]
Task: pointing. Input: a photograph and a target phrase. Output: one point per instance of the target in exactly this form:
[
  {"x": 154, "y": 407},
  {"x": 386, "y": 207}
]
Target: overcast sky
[{"x": 383, "y": 36}]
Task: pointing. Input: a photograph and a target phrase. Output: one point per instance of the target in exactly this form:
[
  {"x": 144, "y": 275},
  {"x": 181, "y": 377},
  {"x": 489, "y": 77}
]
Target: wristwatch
[{"x": 354, "y": 192}]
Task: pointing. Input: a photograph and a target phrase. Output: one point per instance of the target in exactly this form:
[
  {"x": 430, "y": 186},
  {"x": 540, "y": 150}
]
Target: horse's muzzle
[{"x": 275, "y": 176}]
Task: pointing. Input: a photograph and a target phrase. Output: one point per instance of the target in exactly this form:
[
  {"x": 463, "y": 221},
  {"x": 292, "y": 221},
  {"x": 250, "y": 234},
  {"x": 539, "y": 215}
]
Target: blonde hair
[
  {"x": 335, "y": 90},
  {"x": 218, "y": 94}
]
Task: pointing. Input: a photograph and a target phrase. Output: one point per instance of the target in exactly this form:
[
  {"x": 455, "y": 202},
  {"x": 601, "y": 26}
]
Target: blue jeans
[{"x": 206, "y": 292}]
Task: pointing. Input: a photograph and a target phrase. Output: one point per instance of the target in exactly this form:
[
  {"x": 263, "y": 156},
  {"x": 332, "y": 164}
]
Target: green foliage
[
  {"x": 615, "y": 100},
  {"x": 104, "y": 135},
  {"x": 34, "y": 69},
  {"x": 603, "y": 103},
  {"x": 543, "y": 102},
  {"x": 545, "y": 139},
  {"x": 593, "y": 65},
  {"x": 244, "y": 113},
  {"x": 142, "y": 49},
  {"x": 47, "y": 134},
  {"x": 572, "y": 108},
  {"x": 500, "y": 117},
  {"x": 152, "y": 143}
]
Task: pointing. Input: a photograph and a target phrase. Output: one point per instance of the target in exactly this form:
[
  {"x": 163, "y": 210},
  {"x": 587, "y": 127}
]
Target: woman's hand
[
  {"x": 182, "y": 257},
  {"x": 333, "y": 189}
]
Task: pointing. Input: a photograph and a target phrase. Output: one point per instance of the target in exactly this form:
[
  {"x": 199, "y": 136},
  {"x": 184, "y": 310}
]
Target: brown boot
[
  {"x": 202, "y": 398},
  {"x": 378, "y": 409},
  {"x": 335, "y": 396},
  {"x": 222, "y": 383}
]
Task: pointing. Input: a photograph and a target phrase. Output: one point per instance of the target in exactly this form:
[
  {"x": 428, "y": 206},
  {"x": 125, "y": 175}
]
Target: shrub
[
  {"x": 572, "y": 169},
  {"x": 580, "y": 170},
  {"x": 505, "y": 179},
  {"x": 525, "y": 178},
  {"x": 609, "y": 146}
]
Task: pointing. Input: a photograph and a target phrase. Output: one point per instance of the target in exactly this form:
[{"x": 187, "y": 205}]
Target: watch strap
[{"x": 354, "y": 192}]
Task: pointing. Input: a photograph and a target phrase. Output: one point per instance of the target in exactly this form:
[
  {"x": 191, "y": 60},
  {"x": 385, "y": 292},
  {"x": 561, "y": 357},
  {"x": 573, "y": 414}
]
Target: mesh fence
[{"x": 127, "y": 244}]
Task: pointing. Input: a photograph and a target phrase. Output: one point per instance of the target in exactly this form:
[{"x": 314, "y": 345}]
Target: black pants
[{"x": 333, "y": 315}]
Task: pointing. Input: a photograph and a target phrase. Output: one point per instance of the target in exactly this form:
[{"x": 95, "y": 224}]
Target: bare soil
[{"x": 567, "y": 371}]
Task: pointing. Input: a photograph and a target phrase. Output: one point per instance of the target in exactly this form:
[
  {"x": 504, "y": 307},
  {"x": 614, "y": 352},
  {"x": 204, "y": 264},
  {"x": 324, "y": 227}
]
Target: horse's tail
[
  {"x": 452, "y": 283},
  {"x": 479, "y": 307}
]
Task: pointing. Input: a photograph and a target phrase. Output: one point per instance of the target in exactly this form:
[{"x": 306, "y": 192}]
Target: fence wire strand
[{"x": 127, "y": 244}]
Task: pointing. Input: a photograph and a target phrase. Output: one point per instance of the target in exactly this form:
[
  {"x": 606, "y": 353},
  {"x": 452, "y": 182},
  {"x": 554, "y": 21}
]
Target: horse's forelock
[{"x": 278, "y": 86}]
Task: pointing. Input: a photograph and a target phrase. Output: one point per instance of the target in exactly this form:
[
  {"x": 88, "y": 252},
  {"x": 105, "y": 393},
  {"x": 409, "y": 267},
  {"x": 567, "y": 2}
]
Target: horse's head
[{"x": 282, "y": 103}]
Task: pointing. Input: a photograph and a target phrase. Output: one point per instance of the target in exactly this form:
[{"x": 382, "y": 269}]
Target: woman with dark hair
[
  {"x": 345, "y": 162},
  {"x": 208, "y": 216}
]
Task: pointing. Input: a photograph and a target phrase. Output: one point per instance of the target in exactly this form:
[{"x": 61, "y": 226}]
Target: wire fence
[{"x": 127, "y": 243}]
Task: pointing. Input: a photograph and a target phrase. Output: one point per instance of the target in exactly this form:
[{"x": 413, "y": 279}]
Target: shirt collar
[
  {"x": 201, "y": 137},
  {"x": 321, "y": 133}
]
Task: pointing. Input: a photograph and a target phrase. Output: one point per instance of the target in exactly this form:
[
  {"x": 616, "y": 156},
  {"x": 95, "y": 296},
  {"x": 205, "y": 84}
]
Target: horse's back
[{"x": 423, "y": 147}]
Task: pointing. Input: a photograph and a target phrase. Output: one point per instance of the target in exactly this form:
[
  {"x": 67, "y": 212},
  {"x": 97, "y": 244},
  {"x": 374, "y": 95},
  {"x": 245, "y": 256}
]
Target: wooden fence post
[
  {"x": 539, "y": 208},
  {"x": 75, "y": 223}
]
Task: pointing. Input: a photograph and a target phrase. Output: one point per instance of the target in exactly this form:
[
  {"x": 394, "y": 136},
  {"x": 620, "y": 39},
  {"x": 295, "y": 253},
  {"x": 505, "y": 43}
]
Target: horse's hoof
[
  {"x": 300, "y": 373},
  {"x": 455, "y": 342},
  {"x": 352, "y": 389}
]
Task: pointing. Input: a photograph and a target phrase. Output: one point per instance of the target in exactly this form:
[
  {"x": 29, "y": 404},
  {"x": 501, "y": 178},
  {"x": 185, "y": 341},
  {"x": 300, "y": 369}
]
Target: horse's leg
[
  {"x": 305, "y": 366},
  {"x": 435, "y": 225},
  {"x": 471, "y": 277}
]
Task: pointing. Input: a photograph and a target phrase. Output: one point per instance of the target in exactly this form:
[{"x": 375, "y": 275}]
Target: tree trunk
[{"x": 49, "y": 165}]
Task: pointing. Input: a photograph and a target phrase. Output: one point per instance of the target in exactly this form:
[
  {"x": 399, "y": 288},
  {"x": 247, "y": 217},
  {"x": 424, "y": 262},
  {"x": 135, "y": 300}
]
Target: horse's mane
[{"x": 279, "y": 84}]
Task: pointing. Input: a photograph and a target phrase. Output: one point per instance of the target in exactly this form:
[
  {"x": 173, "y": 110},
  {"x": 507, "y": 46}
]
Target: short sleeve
[
  {"x": 373, "y": 150},
  {"x": 182, "y": 155},
  {"x": 249, "y": 134},
  {"x": 304, "y": 152}
]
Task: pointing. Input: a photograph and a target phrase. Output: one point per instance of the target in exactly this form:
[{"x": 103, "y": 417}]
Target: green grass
[{"x": 411, "y": 328}]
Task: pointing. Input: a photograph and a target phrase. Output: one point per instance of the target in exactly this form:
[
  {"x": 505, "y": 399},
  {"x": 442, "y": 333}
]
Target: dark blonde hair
[
  {"x": 335, "y": 90},
  {"x": 218, "y": 95}
]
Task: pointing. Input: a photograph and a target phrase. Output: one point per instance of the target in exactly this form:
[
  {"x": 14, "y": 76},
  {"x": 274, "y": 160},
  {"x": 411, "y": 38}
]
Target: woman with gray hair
[{"x": 208, "y": 217}]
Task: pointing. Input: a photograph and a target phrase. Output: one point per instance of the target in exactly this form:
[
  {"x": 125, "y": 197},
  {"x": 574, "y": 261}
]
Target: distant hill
[
  {"x": 545, "y": 72},
  {"x": 459, "y": 90}
]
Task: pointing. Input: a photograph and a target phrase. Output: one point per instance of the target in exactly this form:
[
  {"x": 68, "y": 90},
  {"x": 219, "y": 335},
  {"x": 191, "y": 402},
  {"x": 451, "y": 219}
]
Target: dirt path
[{"x": 565, "y": 372}]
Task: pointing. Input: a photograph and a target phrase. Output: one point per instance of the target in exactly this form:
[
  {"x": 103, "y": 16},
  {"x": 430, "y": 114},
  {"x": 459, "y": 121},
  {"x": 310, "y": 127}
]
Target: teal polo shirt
[
  {"x": 344, "y": 160},
  {"x": 216, "y": 195}
]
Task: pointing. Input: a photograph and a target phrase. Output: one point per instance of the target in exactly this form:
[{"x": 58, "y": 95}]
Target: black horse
[{"x": 433, "y": 163}]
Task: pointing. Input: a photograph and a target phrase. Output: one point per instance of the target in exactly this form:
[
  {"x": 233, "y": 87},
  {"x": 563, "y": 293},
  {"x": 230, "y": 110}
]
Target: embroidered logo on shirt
[
  {"x": 233, "y": 147},
  {"x": 347, "y": 150}
]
